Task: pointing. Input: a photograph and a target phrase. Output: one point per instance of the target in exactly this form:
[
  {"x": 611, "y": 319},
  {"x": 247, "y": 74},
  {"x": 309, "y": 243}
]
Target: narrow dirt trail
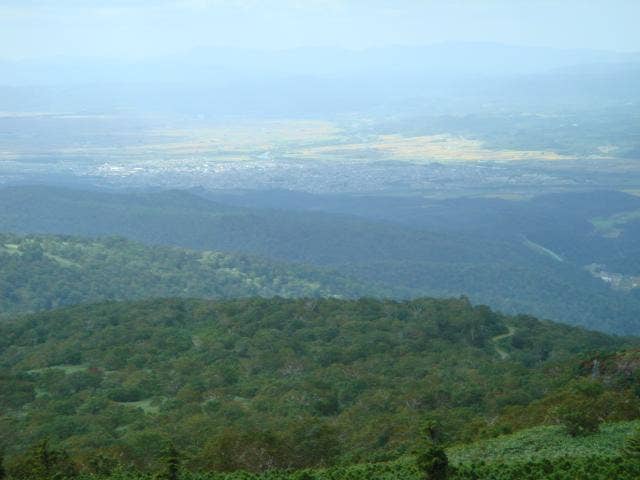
[{"x": 498, "y": 338}]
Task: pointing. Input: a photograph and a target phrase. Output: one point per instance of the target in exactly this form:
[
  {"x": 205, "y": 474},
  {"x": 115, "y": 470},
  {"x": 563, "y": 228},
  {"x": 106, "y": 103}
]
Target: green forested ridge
[
  {"x": 494, "y": 266},
  {"x": 257, "y": 384},
  {"x": 316, "y": 387},
  {"x": 40, "y": 272}
]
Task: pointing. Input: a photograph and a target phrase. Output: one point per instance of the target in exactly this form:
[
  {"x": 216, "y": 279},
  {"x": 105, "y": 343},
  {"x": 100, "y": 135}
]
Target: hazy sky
[{"x": 141, "y": 28}]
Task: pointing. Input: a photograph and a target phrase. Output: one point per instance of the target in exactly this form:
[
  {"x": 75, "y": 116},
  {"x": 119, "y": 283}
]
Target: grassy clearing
[
  {"x": 11, "y": 248},
  {"x": 67, "y": 369},
  {"x": 148, "y": 405},
  {"x": 63, "y": 262}
]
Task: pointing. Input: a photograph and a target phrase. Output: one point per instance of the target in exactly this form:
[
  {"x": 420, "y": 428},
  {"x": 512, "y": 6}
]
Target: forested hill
[
  {"x": 510, "y": 273},
  {"x": 262, "y": 383},
  {"x": 41, "y": 272}
]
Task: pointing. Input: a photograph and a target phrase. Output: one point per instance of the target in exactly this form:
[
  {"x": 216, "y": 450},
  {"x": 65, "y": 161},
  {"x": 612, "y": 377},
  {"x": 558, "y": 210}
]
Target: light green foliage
[
  {"x": 632, "y": 445},
  {"x": 41, "y": 272},
  {"x": 274, "y": 383},
  {"x": 549, "y": 442}
]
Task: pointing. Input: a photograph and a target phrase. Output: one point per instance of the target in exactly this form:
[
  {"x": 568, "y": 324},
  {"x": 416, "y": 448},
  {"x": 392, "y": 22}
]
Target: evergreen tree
[
  {"x": 171, "y": 463},
  {"x": 44, "y": 457},
  {"x": 431, "y": 457},
  {"x": 43, "y": 462},
  {"x": 579, "y": 418},
  {"x": 3, "y": 472},
  {"x": 102, "y": 465}
]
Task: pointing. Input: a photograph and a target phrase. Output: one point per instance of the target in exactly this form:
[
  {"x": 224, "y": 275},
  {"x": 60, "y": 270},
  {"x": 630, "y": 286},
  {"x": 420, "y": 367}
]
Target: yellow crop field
[{"x": 439, "y": 148}]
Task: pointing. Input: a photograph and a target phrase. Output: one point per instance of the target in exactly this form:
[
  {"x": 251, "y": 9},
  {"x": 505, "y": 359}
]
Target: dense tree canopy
[
  {"x": 505, "y": 264},
  {"x": 40, "y": 272},
  {"x": 285, "y": 383}
]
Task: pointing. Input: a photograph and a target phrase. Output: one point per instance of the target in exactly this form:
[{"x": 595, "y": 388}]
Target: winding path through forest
[{"x": 498, "y": 338}]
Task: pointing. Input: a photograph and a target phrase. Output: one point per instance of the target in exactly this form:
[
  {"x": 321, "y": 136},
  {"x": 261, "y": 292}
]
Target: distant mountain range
[
  {"x": 216, "y": 66},
  {"x": 321, "y": 81}
]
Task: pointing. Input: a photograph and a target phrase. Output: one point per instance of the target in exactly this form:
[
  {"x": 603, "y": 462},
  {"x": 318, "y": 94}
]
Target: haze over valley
[{"x": 319, "y": 240}]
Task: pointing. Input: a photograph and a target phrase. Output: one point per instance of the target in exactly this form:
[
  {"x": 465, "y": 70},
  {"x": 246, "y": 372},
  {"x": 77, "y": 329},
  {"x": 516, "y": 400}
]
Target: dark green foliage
[
  {"x": 254, "y": 451},
  {"x": 431, "y": 458},
  {"x": 433, "y": 463},
  {"x": 580, "y": 412},
  {"x": 43, "y": 463},
  {"x": 256, "y": 384},
  {"x": 102, "y": 465},
  {"x": 171, "y": 463},
  {"x": 579, "y": 419},
  {"x": 565, "y": 463},
  {"x": 42, "y": 272},
  {"x": 562, "y": 468},
  {"x": 306, "y": 444}
]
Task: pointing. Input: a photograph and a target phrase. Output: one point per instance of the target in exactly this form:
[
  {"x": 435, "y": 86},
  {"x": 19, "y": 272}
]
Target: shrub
[{"x": 579, "y": 418}]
